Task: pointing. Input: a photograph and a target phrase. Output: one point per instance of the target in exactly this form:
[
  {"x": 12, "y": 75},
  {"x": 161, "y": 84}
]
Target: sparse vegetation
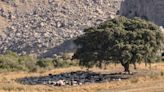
[
  {"x": 154, "y": 75},
  {"x": 134, "y": 80},
  {"x": 10, "y": 61}
]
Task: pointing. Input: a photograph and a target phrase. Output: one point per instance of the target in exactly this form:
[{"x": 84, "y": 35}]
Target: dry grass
[
  {"x": 8, "y": 84},
  {"x": 5, "y": 6}
]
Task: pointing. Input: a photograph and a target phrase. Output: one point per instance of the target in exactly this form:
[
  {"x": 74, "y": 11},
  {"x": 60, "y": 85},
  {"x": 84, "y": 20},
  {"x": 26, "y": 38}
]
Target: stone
[
  {"x": 80, "y": 83},
  {"x": 119, "y": 79},
  {"x": 60, "y": 83},
  {"x": 74, "y": 83},
  {"x": 42, "y": 24}
]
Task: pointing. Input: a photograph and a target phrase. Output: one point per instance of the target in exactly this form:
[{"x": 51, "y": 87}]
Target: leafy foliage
[
  {"x": 120, "y": 40},
  {"x": 10, "y": 61}
]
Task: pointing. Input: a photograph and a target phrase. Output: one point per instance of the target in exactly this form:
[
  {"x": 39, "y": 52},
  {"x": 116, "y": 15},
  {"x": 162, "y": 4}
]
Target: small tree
[{"x": 123, "y": 40}]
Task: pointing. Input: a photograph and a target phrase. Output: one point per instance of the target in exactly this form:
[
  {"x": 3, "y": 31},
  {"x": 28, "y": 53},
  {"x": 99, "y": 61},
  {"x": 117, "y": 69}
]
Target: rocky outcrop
[
  {"x": 152, "y": 10},
  {"x": 45, "y": 29}
]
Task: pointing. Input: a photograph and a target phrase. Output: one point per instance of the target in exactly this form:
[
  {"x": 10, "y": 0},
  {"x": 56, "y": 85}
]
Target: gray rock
[{"x": 60, "y": 83}]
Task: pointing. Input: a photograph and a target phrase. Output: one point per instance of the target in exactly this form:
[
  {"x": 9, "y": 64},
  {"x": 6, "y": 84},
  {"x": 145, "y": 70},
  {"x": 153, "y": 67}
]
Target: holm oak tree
[{"x": 123, "y": 40}]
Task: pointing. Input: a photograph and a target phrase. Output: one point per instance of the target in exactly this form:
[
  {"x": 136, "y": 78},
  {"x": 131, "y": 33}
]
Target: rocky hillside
[
  {"x": 152, "y": 10},
  {"x": 45, "y": 27}
]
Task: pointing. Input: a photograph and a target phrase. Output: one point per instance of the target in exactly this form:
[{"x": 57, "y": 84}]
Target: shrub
[
  {"x": 12, "y": 62},
  {"x": 28, "y": 63},
  {"x": 60, "y": 62},
  {"x": 45, "y": 63},
  {"x": 8, "y": 61}
]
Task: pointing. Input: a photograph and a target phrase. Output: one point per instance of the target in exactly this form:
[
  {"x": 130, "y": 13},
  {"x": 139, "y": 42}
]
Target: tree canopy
[{"x": 123, "y": 40}]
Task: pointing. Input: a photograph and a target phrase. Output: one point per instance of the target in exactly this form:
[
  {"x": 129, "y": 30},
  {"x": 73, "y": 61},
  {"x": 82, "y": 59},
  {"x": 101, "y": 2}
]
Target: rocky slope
[
  {"x": 152, "y": 10},
  {"x": 45, "y": 27}
]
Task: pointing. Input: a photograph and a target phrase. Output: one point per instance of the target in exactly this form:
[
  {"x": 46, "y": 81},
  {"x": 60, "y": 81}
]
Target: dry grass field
[
  {"x": 144, "y": 81},
  {"x": 140, "y": 83}
]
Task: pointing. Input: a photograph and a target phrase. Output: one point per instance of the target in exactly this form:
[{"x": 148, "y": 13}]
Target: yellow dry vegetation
[
  {"x": 6, "y": 6},
  {"x": 4, "y": 23},
  {"x": 8, "y": 84}
]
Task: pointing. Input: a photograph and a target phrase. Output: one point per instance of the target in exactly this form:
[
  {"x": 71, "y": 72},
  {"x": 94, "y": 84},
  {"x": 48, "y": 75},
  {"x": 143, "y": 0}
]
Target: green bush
[
  {"x": 59, "y": 62},
  {"x": 28, "y": 63},
  {"x": 45, "y": 63},
  {"x": 10, "y": 61}
]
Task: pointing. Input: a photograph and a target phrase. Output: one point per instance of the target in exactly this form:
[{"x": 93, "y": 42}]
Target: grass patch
[
  {"x": 134, "y": 80},
  {"x": 154, "y": 75}
]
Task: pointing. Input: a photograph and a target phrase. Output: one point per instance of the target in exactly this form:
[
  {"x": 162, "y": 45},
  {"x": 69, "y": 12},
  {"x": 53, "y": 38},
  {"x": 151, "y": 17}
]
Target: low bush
[
  {"x": 10, "y": 61},
  {"x": 59, "y": 62},
  {"x": 46, "y": 63}
]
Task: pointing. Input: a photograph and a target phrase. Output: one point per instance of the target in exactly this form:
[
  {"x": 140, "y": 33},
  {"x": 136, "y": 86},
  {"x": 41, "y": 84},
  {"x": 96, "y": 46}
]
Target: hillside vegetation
[{"x": 11, "y": 61}]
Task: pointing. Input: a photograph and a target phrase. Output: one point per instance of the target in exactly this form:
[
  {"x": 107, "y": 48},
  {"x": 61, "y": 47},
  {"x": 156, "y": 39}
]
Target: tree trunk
[
  {"x": 100, "y": 65},
  {"x": 135, "y": 67},
  {"x": 126, "y": 66}
]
